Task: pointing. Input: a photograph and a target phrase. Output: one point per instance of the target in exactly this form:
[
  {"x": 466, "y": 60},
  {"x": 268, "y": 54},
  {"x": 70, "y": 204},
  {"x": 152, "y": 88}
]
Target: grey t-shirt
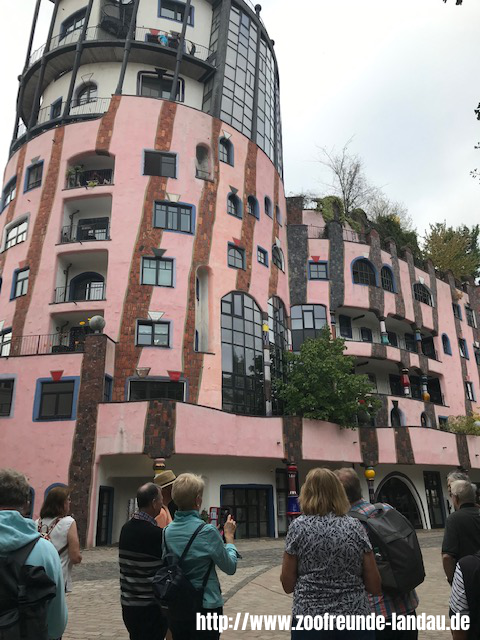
[{"x": 329, "y": 551}]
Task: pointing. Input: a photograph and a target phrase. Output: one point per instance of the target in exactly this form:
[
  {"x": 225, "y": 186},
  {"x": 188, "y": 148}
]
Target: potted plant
[{"x": 73, "y": 176}]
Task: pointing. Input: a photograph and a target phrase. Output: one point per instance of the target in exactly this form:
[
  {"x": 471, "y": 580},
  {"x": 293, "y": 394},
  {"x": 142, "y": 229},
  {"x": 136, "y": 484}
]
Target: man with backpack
[
  {"x": 395, "y": 597},
  {"x": 29, "y": 565}
]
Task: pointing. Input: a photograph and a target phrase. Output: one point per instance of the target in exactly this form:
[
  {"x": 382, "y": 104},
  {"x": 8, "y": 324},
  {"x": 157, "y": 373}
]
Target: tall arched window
[
  {"x": 234, "y": 205},
  {"x": 395, "y": 417},
  {"x": 422, "y": 294},
  {"x": 447, "y": 349},
  {"x": 364, "y": 272},
  {"x": 225, "y": 151},
  {"x": 202, "y": 161},
  {"x": 202, "y": 310},
  {"x": 386, "y": 276},
  {"x": 242, "y": 355},
  {"x": 252, "y": 206},
  {"x": 307, "y": 322},
  {"x": 268, "y": 207},
  {"x": 277, "y": 257},
  {"x": 278, "y": 338},
  {"x": 87, "y": 286},
  {"x": 86, "y": 94}
]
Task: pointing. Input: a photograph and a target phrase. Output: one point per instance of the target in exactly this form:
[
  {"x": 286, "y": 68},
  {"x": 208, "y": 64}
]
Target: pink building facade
[{"x": 145, "y": 186}]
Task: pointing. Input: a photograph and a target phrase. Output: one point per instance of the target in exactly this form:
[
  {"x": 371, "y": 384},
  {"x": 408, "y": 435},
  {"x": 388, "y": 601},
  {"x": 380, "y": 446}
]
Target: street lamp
[{"x": 370, "y": 477}]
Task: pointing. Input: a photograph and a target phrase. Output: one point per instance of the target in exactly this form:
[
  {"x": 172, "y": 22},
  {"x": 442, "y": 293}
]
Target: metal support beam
[
  {"x": 126, "y": 51},
  {"x": 173, "y": 93}
]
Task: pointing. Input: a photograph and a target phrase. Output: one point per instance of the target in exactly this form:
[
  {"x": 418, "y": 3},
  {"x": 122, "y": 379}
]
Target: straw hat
[{"x": 165, "y": 478}]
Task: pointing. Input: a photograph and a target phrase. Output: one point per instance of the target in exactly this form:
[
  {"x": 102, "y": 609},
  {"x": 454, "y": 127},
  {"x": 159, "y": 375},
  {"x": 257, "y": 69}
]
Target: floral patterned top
[{"x": 329, "y": 552}]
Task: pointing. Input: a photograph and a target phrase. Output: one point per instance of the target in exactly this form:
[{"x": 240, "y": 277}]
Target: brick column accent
[
  {"x": 193, "y": 360},
  {"x": 459, "y": 334},
  {"x": 138, "y": 296},
  {"x": 463, "y": 453},
  {"x": 273, "y": 281},
  {"x": 368, "y": 445},
  {"x": 403, "y": 446},
  {"x": 159, "y": 436},
  {"x": 248, "y": 223},
  {"x": 399, "y": 299},
  {"x": 295, "y": 210},
  {"x": 105, "y": 130},
  {"x": 293, "y": 438},
  {"x": 83, "y": 451},
  {"x": 13, "y": 205}
]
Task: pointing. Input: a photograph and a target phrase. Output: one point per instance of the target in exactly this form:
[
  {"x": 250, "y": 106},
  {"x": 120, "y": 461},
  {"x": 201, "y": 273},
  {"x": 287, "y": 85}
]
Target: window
[
  {"x": 160, "y": 86},
  {"x": 202, "y": 159},
  {"x": 457, "y": 311},
  {"x": 234, "y": 206},
  {"x": 410, "y": 343},
  {"x": 16, "y": 233},
  {"x": 72, "y": 23},
  {"x": 447, "y": 349},
  {"x": 476, "y": 351},
  {"x": 387, "y": 279},
  {"x": 423, "y": 419},
  {"x": 422, "y": 294},
  {"x": 372, "y": 378},
  {"x": 317, "y": 271},
  {"x": 157, "y": 271},
  {"x": 462, "y": 345},
  {"x": 86, "y": 94},
  {"x": 268, "y": 207},
  {"x": 225, "y": 151},
  {"x": 252, "y": 207},
  {"x": 156, "y": 390},
  {"x": 108, "y": 389},
  {"x": 345, "y": 323},
  {"x": 262, "y": 256},
  {"x": 443, "y": 422},
  {"x": 56, "y": 400},
  {"x": 236, "y": 257},
  {"x": 242, "y": 355},
  {"x": 9, "y": 192},
  {"x": 366, "y": 334},
  {"x": 5, "y": 342},
  {"x": 392, "y": 338},
  {"x": 6, "y": 397},
  {"x": 278, "y": 215},
  {"x": 33, "y": 178},
  {"x": 175, "y": 11},
  {"x": 469, "y": 391},
  {"x": 470, "y": 317},
  {"x": 396, "y": 388},
  {"x": 174, "y": 217},
  {"x": 20, "y": 283},
  {"x": 428, "y": 347},
  {"x": 277, "y": 257},
  {"x": 153, "y": 334},
  {"x": 56, "y": 109},
  {"x": 158, "y": 163},
  {"x": 278, "y": 341},
  {"x": 364, "y": 273},
  {"x": 307, "y": 322},
  {"x": 416, "y": 387}
]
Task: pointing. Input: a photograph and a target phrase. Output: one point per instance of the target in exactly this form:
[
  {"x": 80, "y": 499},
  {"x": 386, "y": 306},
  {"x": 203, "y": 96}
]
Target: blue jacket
[
  {"x": 207, "y": 546},
  {"x": 15, "y": 532}
]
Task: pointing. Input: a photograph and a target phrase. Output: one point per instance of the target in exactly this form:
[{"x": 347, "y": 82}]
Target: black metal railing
[
  {"x": 87, "y": 292},
  {"x": 43, "y": 345},
  {"x": 88, "y": 178},
  {"x": 94, "y": 107},
  {"x": 85, "y": 232},
  {"x": 354, "y": 236}
]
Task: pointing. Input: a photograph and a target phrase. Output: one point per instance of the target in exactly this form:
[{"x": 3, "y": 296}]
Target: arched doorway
[{"x": 396, "y": 492}]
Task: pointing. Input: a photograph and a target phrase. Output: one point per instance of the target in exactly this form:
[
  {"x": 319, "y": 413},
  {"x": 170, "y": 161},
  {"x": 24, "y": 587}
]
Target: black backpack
[
  {"x": 24, "y": 595},
  {"x": 172, "y": 589},
  {"x": 397, "y": 551}
]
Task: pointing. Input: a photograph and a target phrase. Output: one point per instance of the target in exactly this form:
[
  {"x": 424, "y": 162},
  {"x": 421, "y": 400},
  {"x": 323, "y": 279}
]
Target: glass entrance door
[
  {"x": 396, "y": 493},
  {"x": 250, "y": 508},
  {"x": 433, "y": 490},
  {"x": 104, "y": 517}
]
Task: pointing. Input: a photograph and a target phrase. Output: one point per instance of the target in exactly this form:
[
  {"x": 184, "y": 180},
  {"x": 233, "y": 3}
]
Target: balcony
[
  {"x": 85, "y": 232},
  {"x": 88, "y": 178},
  {"x": 43, "y": 345},
  {"x": 80, "y": 291},
  {"x": 86, "y": 219}
]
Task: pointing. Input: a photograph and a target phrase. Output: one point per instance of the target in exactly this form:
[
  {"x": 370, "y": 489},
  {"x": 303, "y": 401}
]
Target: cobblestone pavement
[{"x": 94, "y": 605}]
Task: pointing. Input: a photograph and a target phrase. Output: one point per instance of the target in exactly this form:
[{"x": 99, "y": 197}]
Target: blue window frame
[
  {"x": 158, "y": 272},
  {"x": 9, "y": 192},
  {"x": 56, "y": 109},
  {"x": 388, "y": 281},
  {"x": 457, "y": 310},
  {"x": 447, "y": 349},
  {"x": 262, "y": 256},
  {"x": 20, "y": 283},
  {"x": 268, "y": 207},
  {"x": 33, "y": 176},
  {"x": 175, "y": 10},
  {"x": 225, "y": 151},
  {"x": 317, "y": 270},
  {"x": 174, "y": 216},
  {"x": 363, "y": 272},
  {"x": 56, "y": 400},
  {"x": 7, "y": 386},
  {"x": 234, "y": 206},
  {"x": 252, "y": 207},
  {"x": 462, "y": 345},
  {"x": 153, "y": 334},
  {"x": 236, "y": 256}
]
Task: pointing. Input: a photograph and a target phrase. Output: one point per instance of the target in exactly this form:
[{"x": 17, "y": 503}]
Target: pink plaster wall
[
  {"x": 434, "y": 447},
  {"x": 387, "y": 453},
  {"x": 327, "y": 442}
]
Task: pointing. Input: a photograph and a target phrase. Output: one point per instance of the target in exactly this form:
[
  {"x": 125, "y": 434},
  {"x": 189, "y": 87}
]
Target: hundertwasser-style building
[{"x": 145, "y": 186}]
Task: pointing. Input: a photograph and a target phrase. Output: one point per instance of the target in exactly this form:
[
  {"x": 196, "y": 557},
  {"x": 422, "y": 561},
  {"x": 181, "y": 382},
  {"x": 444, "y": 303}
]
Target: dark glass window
[
  {"x": 6, "y": 396},
  {"x": 107, "y": 389},
  {"x": 157, "y": 271},
  {"x": 225, "y": 151},
  {"x": 442, "y": 422},
  {"x": 435, "y": 391},
  {"x": 56, "y": 109},
  {"x": 457, "y": 311},
  {"x": 278, "y": 338},
  {"x": 416, "y": 387},
  {"x": 396, "y": 388},
  {"x": 372, "y": 378},
  {"x": 268, "y": 207},
  {"x": 236, "y": 257},
  {"x": 422, "y": 294},
  {"x": 87, "y": 94},
  {"x": 366, "y": 334},
  {"x": 153, "y": 334},
  {"x": 74, "y": 22},
  {"x": 392, "y": 338},
  {"x": 160, "y": 86},
  {"x": 318, "y": 270},
  {"x": 262, "y": 256},
  {"x": 277, "y": 257},
  {"x": 308, "y": 321},
  {"x": 423, "y": 419},
  {"x": 234, "y": 206},
  {"x": 447, "y": 349},
  {"x": 363, "y": 273},
  {"x": 387, "y": 279},
  {"x": 56, "y": 400},
  {"x": 173, "y": 216},
  {"x": 410, "y": 342},
  {"x": 462, "y": 345},
  {"x": 428, "y": 347},
  {"x": 9, "y": 192},
  {"x": 156, "y": 390},
  {"x": 345, "y": 323},
  {"x": 20, "y": 283},
  {"x": 252, "y": 206},
  {"x": 469, "y": 391},
  {"x": 242, "y": 355},
  {"x": 476, "y": 351},
  {"x": 278, "y": 215},
  {"x": 470, "y": 317},
  {"x": 34, "y": 176},
  {"x": 158, "y": 163},
  {"x": 175, "y": 11},
  {"x": 5, "y": 342},
  {"x": 16, "y": 234}
]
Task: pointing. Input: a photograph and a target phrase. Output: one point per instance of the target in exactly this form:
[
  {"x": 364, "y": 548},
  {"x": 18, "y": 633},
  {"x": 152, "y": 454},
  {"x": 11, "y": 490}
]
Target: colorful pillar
[
  {"x": 405, "y": 380},
  {"x": 370, "y": 477},
  {"x": 293, "y": 507},
  {"x": 425, "y": 394},
  {"x": 383, "y": 331}
]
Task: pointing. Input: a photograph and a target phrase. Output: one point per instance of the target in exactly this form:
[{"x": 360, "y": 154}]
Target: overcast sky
[{"x": 400, "y": 76}]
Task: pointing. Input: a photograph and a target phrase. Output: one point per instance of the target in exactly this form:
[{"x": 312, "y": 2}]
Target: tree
[
  {"x": 470, "y": 425},
  {"x": 321, "y": 384},
  {"x": 381, "y": 207},
  {"x": 454, "y": 249},
  {"x": 390, "y": 226}
]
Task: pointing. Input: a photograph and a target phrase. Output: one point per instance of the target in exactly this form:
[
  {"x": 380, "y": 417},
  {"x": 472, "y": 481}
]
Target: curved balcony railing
[
  {"x": 164, "y": 39},
  {"x": 375, "y": 338},
  {"x": 43, "y": 345},
  {"x": 92, "y": 291}
]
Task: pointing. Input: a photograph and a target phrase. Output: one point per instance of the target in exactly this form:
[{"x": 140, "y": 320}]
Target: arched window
[
  {"x": 242, "y": 355},
  {"x": 234, "y": 206},
  {"x": 87, "y": 93},
  {"x": 202, "y": 162},
  {"x": 447, "y": 349},
  {"x": 363, "y": 272},
  {"x": 386, "y": 276},
  {"x": 277, "y": 257},
  {"x": 308, "y": 321},
  {"x": 424, "y": 420},
  {"x": 225, "y": 151},
  {"x": 422, "y": 294},
  {"x": 278, "y": 214},
  {"x": 202, "y": 332},
  {"x": 278, "y": 338},
  {"x": 268, "y": 207},
  {"x": 252, "y": 207},
  {"x": 395, "y": 417},
  {"x": 236, "y": 257},
  {"x": 87, "y": 286}
]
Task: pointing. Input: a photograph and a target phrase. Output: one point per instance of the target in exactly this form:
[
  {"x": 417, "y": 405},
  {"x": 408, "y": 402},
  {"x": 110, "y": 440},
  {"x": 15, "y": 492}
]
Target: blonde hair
[
  {"x": 323, "y": 493},
  {"x": 185, "y": 490}
]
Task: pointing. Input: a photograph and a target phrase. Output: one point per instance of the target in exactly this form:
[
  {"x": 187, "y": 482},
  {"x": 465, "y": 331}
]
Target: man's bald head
[
  {"x": 149, "y": 498},
  {"x": 351, "y": 483}
]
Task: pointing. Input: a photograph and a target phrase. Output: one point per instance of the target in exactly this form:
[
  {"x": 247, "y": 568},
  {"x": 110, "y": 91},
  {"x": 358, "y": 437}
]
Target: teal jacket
[
  {"x": 17, "y": 531},
  {"x": 207, "y": 546}
]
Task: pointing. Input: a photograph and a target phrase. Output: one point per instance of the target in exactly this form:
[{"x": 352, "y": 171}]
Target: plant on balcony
[
  {"x": 469, "y": 425},
  {"x": 321, "y": 384},
  {"x": 73, "y": 177}
]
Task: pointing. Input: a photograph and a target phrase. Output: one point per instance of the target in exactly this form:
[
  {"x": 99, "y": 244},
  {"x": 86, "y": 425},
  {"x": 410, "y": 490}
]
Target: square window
[
  {"x": 470, "y": 317},
  {"x": 156, "y": 390},
  {"x": 6, "y": 397},
  {"x": 457, "y": 312},
  {"x": 157, "y": 272},
  {"x": 34, "y": 176},
  {"x": 366, "y": 334},
  {"x": 318, "y": 270},
  {"x": 158, "y": 163},
  {"x": 153, "y": 334},
  {"x": 262, "y": 256},
  {"x": 56, "y": 400},
  {"x": 175, "y": 11},
  {"x": 5, "y": 342},
  {"x": 20, "y": 283},
  {"x": 173, "y": 217}
]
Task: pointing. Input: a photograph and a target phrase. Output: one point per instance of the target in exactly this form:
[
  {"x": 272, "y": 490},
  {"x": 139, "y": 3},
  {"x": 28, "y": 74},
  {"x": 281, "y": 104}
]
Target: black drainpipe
[{"x": 173, "y": 93}]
